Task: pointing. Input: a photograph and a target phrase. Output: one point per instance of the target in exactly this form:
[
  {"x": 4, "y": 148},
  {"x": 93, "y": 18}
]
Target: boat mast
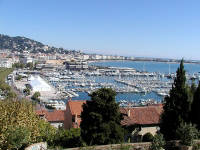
[{"x": 144, "y": 67}]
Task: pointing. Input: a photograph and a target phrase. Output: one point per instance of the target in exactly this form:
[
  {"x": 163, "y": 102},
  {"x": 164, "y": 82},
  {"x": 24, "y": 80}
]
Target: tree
[
  {"x": 67, "y": 138},
  {"x": 27, "y": 91},
  {"x": 11, "y": 95},
  {"x": 187, "y": 133},
  {"x": 18, "y": 124},
  {"x": 17, "y": 137},
  {"x": 18, "y": 65},
  {"x": 193, "y": 87},
  {"x": 158, "y": 142},
  {"x": 195, "y": 111},
  {"x": 176, "y": 105},
  {"x": 101, "y": 119},
  {"x": 47, "y": 132},
  {"x": 36, "y": 96},
  {"x": 19, "y": 77},
  {"x": 30, "y": 65},
  {"x": 4, "y": 87},
  {"x": 35, "y": 65},
  {"x": 148, "y": 137}
]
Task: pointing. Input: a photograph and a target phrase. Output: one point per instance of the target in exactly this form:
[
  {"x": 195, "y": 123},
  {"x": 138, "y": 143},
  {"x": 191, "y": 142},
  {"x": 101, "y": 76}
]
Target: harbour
[{"x": 135, "y": 85}]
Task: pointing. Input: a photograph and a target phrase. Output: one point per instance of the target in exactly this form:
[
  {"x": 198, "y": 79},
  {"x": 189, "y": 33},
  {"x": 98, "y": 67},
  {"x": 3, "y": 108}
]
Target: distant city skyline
[{"x": 161, "y": 29}]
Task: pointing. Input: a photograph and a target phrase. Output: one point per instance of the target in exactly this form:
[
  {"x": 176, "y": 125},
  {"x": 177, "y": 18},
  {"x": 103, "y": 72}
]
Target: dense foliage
[
  {"x": 176, "y": 106},
  {"x": 47, "y": 132},
  {"x": 67, "y": 138},
  {"x": 101, "y": 119},
  {"x": 18, "y": 124},
  {"x": 29, "y": 65},
  {"x": 36, "y": 96},
  {"x": 27, "y": 91},
  {"x": 18, "y": 65},
  {"x": 187, "y": 133},
  {"x": 148, "y": 137},
  {"x": 195, "y": 108},
  {"x": 158, "y": 142}
]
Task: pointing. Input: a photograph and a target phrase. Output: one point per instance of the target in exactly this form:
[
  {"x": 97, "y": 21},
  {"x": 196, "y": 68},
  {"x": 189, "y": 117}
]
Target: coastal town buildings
[
  {"x": 55, "y": 117},
  {"x": 26, "y": 60},
  {"x": 73, "y": 112},
  {"x": 76, "y": 65},
  {"x": 145, "y": 118},
  {"x": 6, "y": 63}
]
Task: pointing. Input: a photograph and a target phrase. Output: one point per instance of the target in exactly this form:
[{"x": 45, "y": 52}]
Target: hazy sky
[{"x": 153, "y": 28}]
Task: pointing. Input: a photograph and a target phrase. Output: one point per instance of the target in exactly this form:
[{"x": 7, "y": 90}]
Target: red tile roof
[
  {"x": 145, "y": 115},
  {"x": 76, "y": 106},
  {"x": 52, "y": 116}
]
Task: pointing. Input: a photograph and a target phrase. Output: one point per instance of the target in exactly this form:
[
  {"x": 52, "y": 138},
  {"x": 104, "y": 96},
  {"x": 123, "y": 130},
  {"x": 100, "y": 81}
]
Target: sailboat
[
  {"x": 144, "y": 67},
  {"x": 169, "y": 74}
]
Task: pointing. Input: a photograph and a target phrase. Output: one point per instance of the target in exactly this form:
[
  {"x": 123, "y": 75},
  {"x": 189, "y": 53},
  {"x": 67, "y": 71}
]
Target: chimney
[{"x": 129, "y": 112}]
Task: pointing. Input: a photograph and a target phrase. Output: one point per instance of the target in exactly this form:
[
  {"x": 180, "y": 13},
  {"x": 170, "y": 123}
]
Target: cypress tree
[
  {"x": 193, "y": 87},
  {"x": 195, "y": 108},
  {"x": 176, "y": 105}
]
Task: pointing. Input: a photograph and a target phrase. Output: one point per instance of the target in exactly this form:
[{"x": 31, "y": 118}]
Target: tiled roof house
[
  {"x": 55, "y": 117},
  {"x": 144, "y": 115},
  {"x": 146, "y": 118},
  {"x": 73, "y": 112}
]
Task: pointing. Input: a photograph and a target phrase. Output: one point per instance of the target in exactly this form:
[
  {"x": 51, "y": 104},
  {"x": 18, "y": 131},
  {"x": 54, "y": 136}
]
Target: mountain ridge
[{"x": 20, "y": 44}]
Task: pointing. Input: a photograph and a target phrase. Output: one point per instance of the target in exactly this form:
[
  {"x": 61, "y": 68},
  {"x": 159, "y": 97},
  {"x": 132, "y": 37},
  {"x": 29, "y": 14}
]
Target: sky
[{"x": 144, "y": 28}]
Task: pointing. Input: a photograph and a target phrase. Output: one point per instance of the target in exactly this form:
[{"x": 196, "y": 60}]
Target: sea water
[
  {"x": 150, "y": 66},
  {"x": 159, "y": 67}
]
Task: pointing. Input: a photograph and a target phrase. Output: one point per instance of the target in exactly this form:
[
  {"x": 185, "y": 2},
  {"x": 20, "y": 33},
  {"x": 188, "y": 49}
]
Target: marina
[{"x": 133, "y": 87}]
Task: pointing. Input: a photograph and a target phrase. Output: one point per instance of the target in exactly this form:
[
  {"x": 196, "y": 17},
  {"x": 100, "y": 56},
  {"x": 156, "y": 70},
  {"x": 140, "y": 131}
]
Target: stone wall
[{"x": 132, "y": 146}]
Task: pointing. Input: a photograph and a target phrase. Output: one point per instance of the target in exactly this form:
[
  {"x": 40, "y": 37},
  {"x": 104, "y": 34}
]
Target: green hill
[{"x": 21, "y": 44}]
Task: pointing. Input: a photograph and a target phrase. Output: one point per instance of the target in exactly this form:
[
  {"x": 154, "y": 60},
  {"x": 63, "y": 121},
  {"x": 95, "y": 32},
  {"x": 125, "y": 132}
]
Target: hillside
[{"x": 20, "y": 44}]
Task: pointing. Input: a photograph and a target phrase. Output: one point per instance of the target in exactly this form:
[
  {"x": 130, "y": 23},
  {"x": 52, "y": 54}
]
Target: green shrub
[
  {"x": 148, "y": 137},
  {"x": 19, "y": 77},
  {"x": 17, "y": 137},
  {"x": 187, "y": 133},
  {"x": 27, "y": 91},
  {"x": 158, "y": 142},
  {"x": 47, "y": 132},
  {"x": 36, "y": 96},
  {"x": 196, "y": 146},
  {"x": 67, "y": 138}
]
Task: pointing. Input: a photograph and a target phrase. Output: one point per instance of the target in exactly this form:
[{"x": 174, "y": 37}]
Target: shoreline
[{"x": 168, "y": 62}]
